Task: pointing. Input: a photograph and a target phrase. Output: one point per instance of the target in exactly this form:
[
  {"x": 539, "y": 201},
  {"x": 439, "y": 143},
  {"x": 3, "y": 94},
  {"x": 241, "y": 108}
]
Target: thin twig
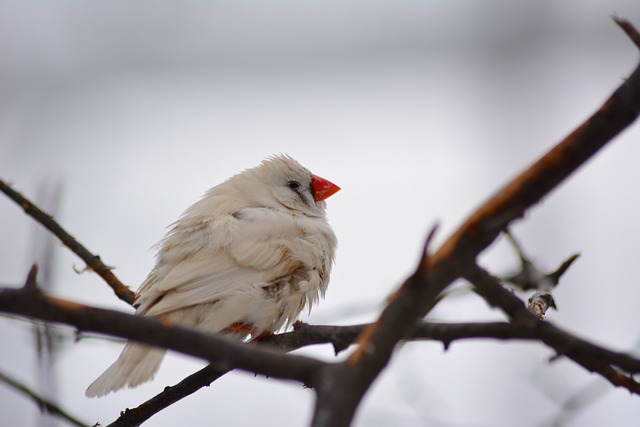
[
  {"x": 93, "y": 261},
  {"x": 44, "y": 404},
  {"x": 169, "y": 396}
]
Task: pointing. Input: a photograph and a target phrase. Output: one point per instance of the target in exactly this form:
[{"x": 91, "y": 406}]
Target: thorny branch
[
  {"x": 228, "y": 352},
  {"x": 340, "y": 386},
  {"x": 458, "y": 254},
  {"x": 30, "y": 302},
  {"x": 375, "y": 346},
  {"x": 340, "y": 337}
]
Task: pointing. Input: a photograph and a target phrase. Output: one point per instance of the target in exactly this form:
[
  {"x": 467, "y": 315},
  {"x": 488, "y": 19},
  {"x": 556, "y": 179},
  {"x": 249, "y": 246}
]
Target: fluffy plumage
[{"x": 254, "y": 251}]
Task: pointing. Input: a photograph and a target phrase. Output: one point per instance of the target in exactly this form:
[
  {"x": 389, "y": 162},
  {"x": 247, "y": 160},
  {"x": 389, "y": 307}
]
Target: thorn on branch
[
  {"x": 629, "y": 29},
  {"x": 555, "y": 276},
  {"x": 31, "y": 282},
  {"x": 340, "y": 346},
  {"x": 423, "y": 267}
]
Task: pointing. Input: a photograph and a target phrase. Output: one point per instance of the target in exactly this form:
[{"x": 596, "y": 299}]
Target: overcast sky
[{"x": 419, "y": 110}]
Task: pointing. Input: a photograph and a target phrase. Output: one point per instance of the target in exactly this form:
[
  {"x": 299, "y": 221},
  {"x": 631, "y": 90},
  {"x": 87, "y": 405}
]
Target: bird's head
[{"x": 283, "y": 182}]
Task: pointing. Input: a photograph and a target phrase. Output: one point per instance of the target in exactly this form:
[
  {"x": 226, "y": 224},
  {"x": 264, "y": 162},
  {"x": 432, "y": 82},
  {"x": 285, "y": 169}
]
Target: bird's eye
[{"x": 294, "y": 185}]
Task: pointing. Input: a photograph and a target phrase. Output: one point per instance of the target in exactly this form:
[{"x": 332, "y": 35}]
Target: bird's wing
[{"x": 257, "y": 249}]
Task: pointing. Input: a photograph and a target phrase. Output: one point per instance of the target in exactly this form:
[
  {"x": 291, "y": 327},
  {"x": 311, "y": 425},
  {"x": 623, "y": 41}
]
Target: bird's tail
[{"x": 136, "y": 364}]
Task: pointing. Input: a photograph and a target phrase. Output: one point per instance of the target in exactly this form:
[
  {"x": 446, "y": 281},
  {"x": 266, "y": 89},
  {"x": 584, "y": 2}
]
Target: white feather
[{"x": 252, "y": 250}]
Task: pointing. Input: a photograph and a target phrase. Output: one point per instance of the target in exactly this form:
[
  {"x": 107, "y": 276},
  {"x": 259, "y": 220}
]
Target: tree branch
[
  {"x": 170, "y": 395},
  {"x": 457, "y": 255},
  {"x": 590, "y": 356},
  {"x": 304, "y": 335},
  {"x": 93, "y": 261},
  {"x": 527, "y": 189},
  {"x": 342, "y": 386},
  {"x": 225, "y": 351}
]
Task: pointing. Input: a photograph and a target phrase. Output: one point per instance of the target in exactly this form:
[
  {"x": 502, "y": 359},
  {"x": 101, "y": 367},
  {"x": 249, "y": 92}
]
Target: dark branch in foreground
[
  {"x": 214, "y": 348},
  {"x": 46, "y": 308},
  {"x": 527, "y": 189},
  {"x": 629, "y": 29},
  {"x": 341, "y": 386},
  {"x": 30, "y": 302},
  {"x": 304, "y": 335},
  {"x": 93, "y": 261},
  {"x": 458, "y": 254}
]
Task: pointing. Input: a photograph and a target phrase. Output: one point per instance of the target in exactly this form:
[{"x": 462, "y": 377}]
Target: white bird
[{"x": 245, "y": 260}]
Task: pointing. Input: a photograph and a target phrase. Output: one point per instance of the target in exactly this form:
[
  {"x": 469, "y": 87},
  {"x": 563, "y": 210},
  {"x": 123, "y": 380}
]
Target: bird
[{"x": 244, "y": 261}]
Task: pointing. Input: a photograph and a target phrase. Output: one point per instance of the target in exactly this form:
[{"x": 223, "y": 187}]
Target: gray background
[{"x": 418, "y": 109}]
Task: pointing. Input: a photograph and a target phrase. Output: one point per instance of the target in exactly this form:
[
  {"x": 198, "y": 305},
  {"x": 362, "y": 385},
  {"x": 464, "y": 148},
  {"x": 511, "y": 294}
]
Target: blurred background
[{"x": 116, "y": 116}]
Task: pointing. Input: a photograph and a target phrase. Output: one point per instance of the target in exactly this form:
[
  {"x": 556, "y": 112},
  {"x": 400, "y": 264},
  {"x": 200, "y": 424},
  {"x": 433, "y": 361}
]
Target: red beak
[{"x": 322, "y": 188}]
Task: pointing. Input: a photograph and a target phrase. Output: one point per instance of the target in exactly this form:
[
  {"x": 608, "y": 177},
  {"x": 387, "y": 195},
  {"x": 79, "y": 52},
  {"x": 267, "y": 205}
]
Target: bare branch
[
  {"x": 457, "y": 255},
  {"x": 528, "y": 188},
  {"x": 93, "y": 261},
  {"x": 590, "y": 356},
  {"x": 401, "y": 313},
  {"x": 340, "y": 336},
  {"x": 341, "y": 387},
  {"x": 228, "y": 352},
  {"x": 169, "y": 396},
  {"x": 304, "y": 335}
]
